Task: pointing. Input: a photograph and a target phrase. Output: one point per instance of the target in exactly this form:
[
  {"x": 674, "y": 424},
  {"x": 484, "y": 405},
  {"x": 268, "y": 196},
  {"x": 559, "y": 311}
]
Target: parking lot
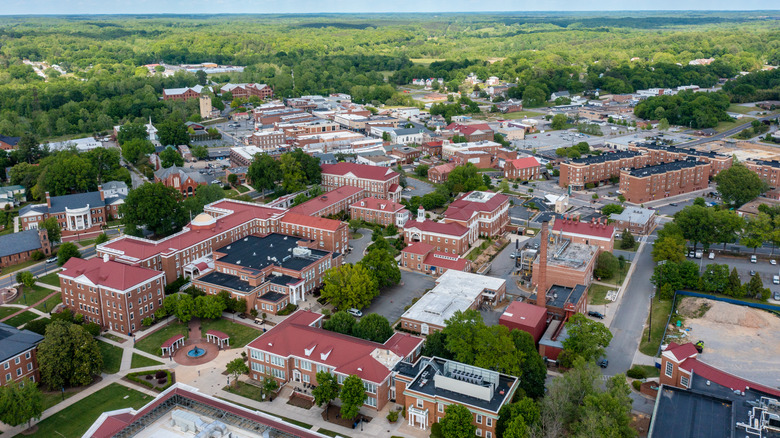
[
  {"x": 391, "y": 302},
  {"x": 415, "y": 187},
  {"x": 762, "y": 267}
]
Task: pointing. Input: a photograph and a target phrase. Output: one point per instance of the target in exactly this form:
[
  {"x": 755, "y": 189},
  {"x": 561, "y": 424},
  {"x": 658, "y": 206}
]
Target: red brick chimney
[
  {"x": 102, "y": 195},
  {"x": 541, "y": 285},
  {"x": 48, "y": 200}
]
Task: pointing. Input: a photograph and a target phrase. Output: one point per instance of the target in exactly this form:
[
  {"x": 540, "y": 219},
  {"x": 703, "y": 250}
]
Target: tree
[
  {"x": 627, "y": 240},
  {"x": 352, "y": 395},
  {"x": 757, "y": 230},
  {"x": 270, "y": 385},
  {"x": 383, "y": 266},
  {"x": 670, "y": 245},
  {"x": 607, "y": 413},
  {"x": 663, "y": 125},
  {"x": 533, "y": 97},
  {"x": 200, "y": 152},
  {"x": 739, "y": 185},
  {"x": 422, "y": 170},
  {"x": 68, "y": 356},
  {"x": 20, "y": 402},
  {"x": 173, "y": 132},
  {"x": 517, "y": 428},
  {"x": 185, "y": 308},
  {"x": 155, "y": 207},
  {"x": 457, "y": 422},
  {"x": 131, "y": 131},
  {"x": 436, "y": 345},
  {"x": 105, "y": 163},
  {"x": 201, "y": 76},
  {"x": 606, "y": 265},
  {"x": 66, "y": 251},
  {"x": 264, "y": 172},
  {"x": 101, "y": 238},
  {"x": 461, "y": 334},
  {"x": 171, "y": 157},
  {"x": 236, "y": 367},
  {"x": 612, "y": 208},
  {"x": 525, "y": 409},
  {"x": 715, "y": 278},
  {"x": 29, "y": 149},
  {"x": 696, "y": 224},
  {"x": 373, "y": 327},
  {"x": 25, "y": 278},
  {"x": 587, "y": 338},
  {"x": 209, "y": 306},
  {"x": 340, "y": 322},
  {"x": 349, "y": 286},
  {"x": 727, "y": 226},
  {"x": 755, "y": 288},
  {"x": 496, "y": 350},
  {"x": 52, "y": 227},
  {"x": 232, "y": 179},
  {"x": 735, "y": 288},
  {"x": 326, "y": 391},
  {"x": 137, "y": 150},
  {"x": 533, "y": 370},
  {"x": 559, "y": 122}
]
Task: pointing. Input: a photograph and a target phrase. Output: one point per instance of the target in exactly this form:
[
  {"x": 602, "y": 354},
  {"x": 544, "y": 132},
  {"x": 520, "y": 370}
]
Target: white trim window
[
  {"x": 669, "y": 369},
  {"x": 685, "y": 381}
]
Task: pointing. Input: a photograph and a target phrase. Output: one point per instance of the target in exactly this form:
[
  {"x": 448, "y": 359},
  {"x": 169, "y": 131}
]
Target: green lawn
[
  {"x": 23, "y": 265},
  {"x": 52, "y": 398},
  {"x": 139, "y": 361},
  {"x": 355, "y": 236},
  {"x": 113, "y": 337},
  {"x": 112, "y": 357},
  {"x": 733, "y": 108},
  {"x": 661, "y": 309},
  {"x": 619, "y": 276},
  {"x": 597, "y": 294},
  {"x": 30, "y": 296},
  {"x": 51, "y": 279},
  {"x": 49, "y": 304},
  {"x": 725, "y": 126},
  {"x": 151, "y": 344},
  {"x": 240, "y": 335},
  {"x": 521, "y": 114},
  {"x": 331, "y": 433},
  {"x": 6, "y": 311},
  {"x": 74, "y": 420},
  {"x": 242, "y": 189},
  {"x": 248, "y": 390},
  {"x": 87, "y": 242},
  {"x": 650, "y": 370},
  {"x": 21, "y": 319}
]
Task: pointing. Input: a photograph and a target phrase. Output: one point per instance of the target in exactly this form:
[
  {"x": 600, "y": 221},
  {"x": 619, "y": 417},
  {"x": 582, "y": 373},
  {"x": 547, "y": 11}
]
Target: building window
[
  {"x": 669, "y": 369},
  {"x": 441, "y": 407},
  {"x": 371, "y": 401},
  {"x": 684, "y": 381},
  {"x": 420, "y": 403},
  {"x": 479, "y": 419},
  {"x": 479, "y": 432},
  {"x": 488, "y": 422}
]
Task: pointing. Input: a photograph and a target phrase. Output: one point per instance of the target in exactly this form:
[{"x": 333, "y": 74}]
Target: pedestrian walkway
[{"x": 31, "y": 307}]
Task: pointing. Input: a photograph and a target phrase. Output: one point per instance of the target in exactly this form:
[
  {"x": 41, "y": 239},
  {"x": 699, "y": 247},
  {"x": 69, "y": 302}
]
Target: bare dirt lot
[{"x": 737, "y": 339}]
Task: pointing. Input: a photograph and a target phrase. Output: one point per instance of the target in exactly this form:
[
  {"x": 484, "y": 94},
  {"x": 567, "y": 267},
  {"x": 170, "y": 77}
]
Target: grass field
[
  {"x": 113, "y": 337},
  {"x": 242, "y": 189},
  {"x": 330, "y": 433},
  {"x": 425, "y": 61},
  {"x": 5, "y": 311},
  {"x": 23, "y": 265},
  {"x": 521, "y": 114},
  {"x": 112, "y": 357},
  {"x": 50, "y": 279},
  {"x": 74, "y": 420},
  {"x": 52, "y": 398},
  {"x": 30, "y": 296},
  {"x": 49, "y": 304},
  {"x": 21, "y": 319},
  {"x": 240, "y": 335},
  {"x": 87, "y": 242},
  {"x": 619, "y": 276},
  {"x": 725, "y": 126},
  {"x": 247, "y": 390},
  {"x": 660, "y": 314},
  {"x": 151, "y": 344},
  {"x": 650, "y": 370},
  {"x": 733, "y": 108},
  {"x": 139, "y": 361},
  {"x": 598, "y": 294}
]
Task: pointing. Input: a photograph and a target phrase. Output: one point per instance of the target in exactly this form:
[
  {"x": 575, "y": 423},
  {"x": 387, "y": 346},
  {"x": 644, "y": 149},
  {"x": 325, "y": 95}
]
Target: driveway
[
  {"x": 358, "y": 246},
  {"x": 391, "y": 302}
]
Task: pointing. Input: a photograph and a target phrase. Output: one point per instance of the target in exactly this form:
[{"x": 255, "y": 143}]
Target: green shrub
[
  {"x": 392, "y": 416},
  {"x": 142, "y": 376},
  {"x": 636, "y": 384},
  {"x": 92, "y": 328},
  {"x": 288, "y": 310},
  {"x": 36, "y": 255},
  {"x": 636, "y": 373}
]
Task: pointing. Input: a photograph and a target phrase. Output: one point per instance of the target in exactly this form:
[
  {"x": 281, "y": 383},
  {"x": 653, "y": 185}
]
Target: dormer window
[{"x": 324, "y": 356}]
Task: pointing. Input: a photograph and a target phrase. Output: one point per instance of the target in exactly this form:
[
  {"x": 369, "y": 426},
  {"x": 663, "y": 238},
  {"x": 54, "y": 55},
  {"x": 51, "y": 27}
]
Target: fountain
[{"x": 196, "y": 352}]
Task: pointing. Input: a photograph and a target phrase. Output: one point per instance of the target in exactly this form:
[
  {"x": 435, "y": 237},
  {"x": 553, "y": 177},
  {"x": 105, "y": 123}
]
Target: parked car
[
  {"x": 596, "y": 314},
  {"x": 698, "y": 254},
  {"x": 691, "y": 253},
  {"x": 51, "y": 260},
  {"x": 776, "y": 279},
  {"x": 776, "y": 296},
  {"x": 753, "y": 259},
  {"x": 603, "y": 363},
  {"x": 773, "y": 262},
  {"x": 752, "y": 272},
  {"x": 673, "y": 204},
  {"x": 711, "y": 256},
  {"x": 355, "y": 312}
]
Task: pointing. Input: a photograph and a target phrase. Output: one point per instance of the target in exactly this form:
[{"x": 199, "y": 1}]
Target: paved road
[
  {"x": 40, "y": 269},
  {"x": 727, "y": 133},
  {"x": 358, "y": 246}
]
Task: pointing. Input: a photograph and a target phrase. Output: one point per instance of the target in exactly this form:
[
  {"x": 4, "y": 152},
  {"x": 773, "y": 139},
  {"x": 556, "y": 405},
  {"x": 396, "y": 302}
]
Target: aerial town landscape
[{"x": 446, "y": 225}]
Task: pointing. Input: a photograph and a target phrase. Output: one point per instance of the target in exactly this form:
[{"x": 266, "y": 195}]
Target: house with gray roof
[
  {"x": 639, "y": 221},
  {"x": 9, "y": 194},
  {"x": 18, "y": 359},
  {"x": 19, "y": 247},
  {"x": 180, "y": 179}
]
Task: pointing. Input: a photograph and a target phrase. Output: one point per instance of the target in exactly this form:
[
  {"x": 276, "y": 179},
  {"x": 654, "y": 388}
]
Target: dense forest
[{"x": 106, "y": 85}]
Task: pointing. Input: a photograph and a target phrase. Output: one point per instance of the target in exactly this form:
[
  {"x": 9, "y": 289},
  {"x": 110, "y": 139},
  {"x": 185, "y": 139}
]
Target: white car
[
  {"x": 773, "y": 262},
  {"x": 776, "y": 279},
  {"x": 355, "y": 312},
  {"x": 711, "y": 256}
]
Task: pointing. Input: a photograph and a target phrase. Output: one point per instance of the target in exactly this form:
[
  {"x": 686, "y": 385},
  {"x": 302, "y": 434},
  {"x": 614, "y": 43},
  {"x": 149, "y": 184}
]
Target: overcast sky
[{"x": 11, "y": 7}]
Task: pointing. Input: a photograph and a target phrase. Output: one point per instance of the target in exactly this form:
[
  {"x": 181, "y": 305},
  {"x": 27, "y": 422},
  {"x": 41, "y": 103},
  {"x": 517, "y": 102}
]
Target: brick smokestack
[{"x": 541, "y": 286}]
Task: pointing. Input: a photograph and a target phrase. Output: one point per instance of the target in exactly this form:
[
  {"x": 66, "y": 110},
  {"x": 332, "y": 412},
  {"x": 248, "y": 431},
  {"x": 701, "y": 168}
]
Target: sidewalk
[
  {"x": 31, "y": 307},
  {"x": 615, "y": 306}
]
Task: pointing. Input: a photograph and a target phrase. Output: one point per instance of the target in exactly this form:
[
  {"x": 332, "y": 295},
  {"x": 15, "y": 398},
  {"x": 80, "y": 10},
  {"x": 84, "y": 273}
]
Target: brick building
[
  {"x": 268, "y": 140},
  {"x": 480, "y": 159},
  {"x": 432, "y": 148},
  {"x": 262, "y": 91},
  {"x": 595, "y": 169},
  {"x": 661, "y": 153},
  {"x": 182, "y": 93},
  {"x": 452, "y": 238},
  {"x": 769, "y": 171},
  {"x": 79, "y": 215},
  {"x": 293, "y": 351},
  {"x": 448, "y": 150},
  {"x": 114, "y": 295},
  {"x": 438, "y": 174},
  {"x": 569, "y": 263},
  {"x": 379, "y": 211},
  {"x": 181, "y": 179},
  {"x": 664, "y": 180},
  {"x": 422, "y": 257},
  {"x": 527, "y": 168},
  {"x": 379, "y": 182},
  {"x": 325, "y": 234},
  {"x": 524, "y": 316},
  {"x": 483, "y": 213},
  {"x": 8, "y": 143},
  {"x": 474, "y": 132},
  {"x": 268, "y": 271},
  {"x": 406, "y": 154},
  {"x": 242, "y": 156},
  {"x": 18, "y": 355},
  {"x": 596, "y": 232},
  {"x": 639, "y": 221},
  {"x": 19, "y": 247},
  {"x": 332, "y": 202}
]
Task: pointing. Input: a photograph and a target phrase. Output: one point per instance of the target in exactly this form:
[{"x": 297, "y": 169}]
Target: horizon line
[{"x": 179, "y": 14}]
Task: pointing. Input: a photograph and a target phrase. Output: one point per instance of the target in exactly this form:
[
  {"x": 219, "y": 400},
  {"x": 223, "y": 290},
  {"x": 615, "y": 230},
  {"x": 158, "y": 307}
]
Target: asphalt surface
[
  {"x": 40, "y": 269},
  {"x": 420, "y": 188},
  {"x": 727, "y": 133},
  {"x": 358, "y": 246},
  {"x": 391, "y": 301}
]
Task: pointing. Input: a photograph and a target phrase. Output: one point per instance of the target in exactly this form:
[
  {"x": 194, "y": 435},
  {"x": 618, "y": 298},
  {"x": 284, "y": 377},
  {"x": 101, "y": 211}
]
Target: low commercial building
[
  {"x": 527, "y": 317},
  {"x": 20, "y": 247},
  {"x": 480, "y": 159},
  {"x": 379, "y": 182},
  {"x": 331, "y": 203},
  {"x": 293, "y": 351},
  {"x": 240, "y": 173},
  {"x": 639, "y": 221},
  {"x": 18, "y": 355},
  {"x": 473, "y": 132},
  {"x": 438, "y": 174},
  {"x": 184, "y": 180},
  {"x": 427, "y": 387},
  {"x": 422, "y": 257},
  {"x": 664, "y": 180},
  {"x": 448, "y": 150},
  {"x": 379, "y": 211},
  {"x": 596, "y": 232},
  {"x": 525, "y": 169},
  {"x": 454, "y": 291},
  {"x": 405, "y": 154},
  {"x": 450, "y": 238},
  {"x": 595, "y": 169},
  {"x": 406, "y": 135},
  {"x": 268, "y": 140}
]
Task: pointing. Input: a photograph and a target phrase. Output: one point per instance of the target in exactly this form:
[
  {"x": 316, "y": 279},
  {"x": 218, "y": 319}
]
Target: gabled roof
[
  {"x": 182, "y": 172},
  {"x": 363, "y": 171},
  {"x": 473, "y": 203},
  {"x": 444, "y": 168},
  {"x": 524, "y": 163},
  {"x": 469, "y": 129},
  {"x": 418, "y": 248},
  {"x": 370, "y": 361},
  {"x": 451, "y": 229},
  {"x": 325, "y": 200},
  {"x": 378, "y": 204},
  {"x": 600, "y": 231},
  {"x": 9, "y": 140},
  {"x": 679, "y": 353},
  {"x": 110, "y": 274},
  {"x": 77, "y": 200},
  {"x": 447, "y": 261},
  {"x": 14, "y": 341},
  {"x": 15, "y": 243},
  {"x": 311, "y": 221}
]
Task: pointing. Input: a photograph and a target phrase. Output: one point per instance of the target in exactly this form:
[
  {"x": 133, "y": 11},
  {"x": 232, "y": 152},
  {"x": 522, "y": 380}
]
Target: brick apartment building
[
  {"x": 181, "y": 179},
  {"x": 379, "y": 211},
  {"x": 267, "y": 271},
  {"x": 525, "y": 169},
  {"x": 664, "y": 180},
  {"x": 438, "y": 174},
  {"x": 331, "y": 203},
  {"x": 115, "y": 295},
  {"x": 18, "y": 355},
  {"x": 596, "y": 232},
  {"x": 769, "y": 171},
  {"x": 474, "y": 132},
  {"x": 598, "y": 168},
  {"x": 19, "y": 247},
  {"x": 262, "y": 91},
  {"x": 483, "y": 213},
  {"x": 449, "y": 238},
  {"x": 379, "y": 182},
  {"x": 182, "y": 94},
  {"x": 293, "y": 351},
  {"x": 79, "y": 215},
  {"x": 325, "y": 234},
  {"x": 242, "y": 156},
  {"x": 422, "y": 257},
  {"x": 660, "y": 153},
  {"x": 268, "y": 140}
]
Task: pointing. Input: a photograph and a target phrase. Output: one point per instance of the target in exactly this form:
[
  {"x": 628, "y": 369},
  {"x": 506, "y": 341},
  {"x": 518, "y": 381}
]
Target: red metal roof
[
  {"x": 218, "y": 334},
  {"x": 442, "y": 260},
  {"x": 524, "y": 163},
  {"x": 319, "y": 203},
  {"x": 444, "y": 168},
  {"x": 723, "y": 378},
  {"x": 320, "y": 223},
  {"x": 111, "y": 274},
  {"x": 469, "y": 129},
  {"x": 347, "y": 355},
  {"x": 364, "y": 171},
  {"x": 451, "y": 229},
  {"x": 524, "y": 313},
  {"x": 602, "y": 231},
  {"x": 681, "y": 352},
  {"x": 418, "y": 248},
  {"x": 463, "y": 209},
  {"x": 378, "y": 204},
  {"x": 171, "y": 341}
]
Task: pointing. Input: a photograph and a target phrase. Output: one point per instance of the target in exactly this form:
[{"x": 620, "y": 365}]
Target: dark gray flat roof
[
  {"x": 607, "y": 156},
  {"x": 273, "y": 297},
  {"x": 685, "y": 413},
  {"x": 665, "y": 167},
  {"x": 260, "y": 252},
  {"x": 228, "y": 281}
]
